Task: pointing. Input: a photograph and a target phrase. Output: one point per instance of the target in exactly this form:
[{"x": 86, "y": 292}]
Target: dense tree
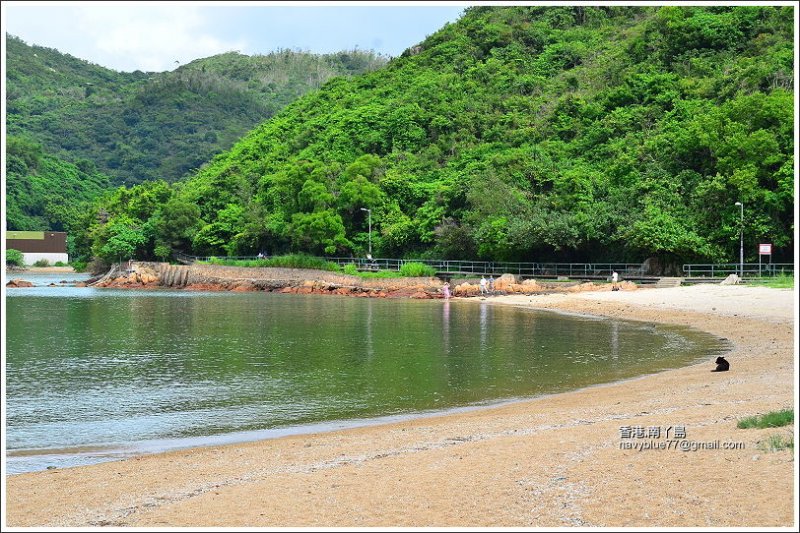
[
  {"x": 144, "y": 126},
  {"x": 44, "y": 192},
  {"x": 531, "y": 134}
]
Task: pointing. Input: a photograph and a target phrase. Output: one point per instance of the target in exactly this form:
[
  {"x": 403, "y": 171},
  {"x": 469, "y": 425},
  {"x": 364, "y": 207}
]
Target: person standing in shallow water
[
  {"x": 446, "y": 290},
  {"x": 483, "y": 285}
]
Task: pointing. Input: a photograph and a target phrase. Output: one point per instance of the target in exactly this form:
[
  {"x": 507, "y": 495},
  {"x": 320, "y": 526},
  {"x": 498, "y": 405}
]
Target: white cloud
[{"x": 127, "y": 37}]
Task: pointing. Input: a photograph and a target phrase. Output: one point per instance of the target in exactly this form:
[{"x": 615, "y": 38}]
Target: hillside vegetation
[
  {"x": 136, "y": 127},
  {"x": 143, "y": 126},
  {"x": 518, "y": 133},
  {"x": 45, "y": 192}
]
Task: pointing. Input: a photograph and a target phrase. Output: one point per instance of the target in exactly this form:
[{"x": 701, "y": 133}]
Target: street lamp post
[
  {"x": 369, "y": 219},
  {"x": 741, "y": 240}
]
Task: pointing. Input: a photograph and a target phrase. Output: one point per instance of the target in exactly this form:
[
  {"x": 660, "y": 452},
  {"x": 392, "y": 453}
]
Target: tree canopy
[
  {"x": 532, "y": 133},
  {"x": 520, "y": 133}
]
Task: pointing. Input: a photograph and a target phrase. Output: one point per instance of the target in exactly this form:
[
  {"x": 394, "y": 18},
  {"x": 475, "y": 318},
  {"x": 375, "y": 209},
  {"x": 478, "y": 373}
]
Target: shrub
[
  {"x": 780, "y": 281},
  {"x": 14, "y": 258},
  {"x": 301, "y": 261},
  {"x": 42, "y": 263},
  {"x": 60, "y": 264},
  {"x": 79, "y": 266},
  {"x": 350, "y": 269},
  {"x": 415, "y": 270},
  {"x": 776, "y": 443}
]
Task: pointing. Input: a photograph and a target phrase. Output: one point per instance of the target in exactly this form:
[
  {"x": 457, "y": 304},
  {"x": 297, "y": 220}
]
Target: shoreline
[
  {"x": 42, "y": 270},
  {"x": 166, "y": 445},
  {"x": 531, "y": 462}
]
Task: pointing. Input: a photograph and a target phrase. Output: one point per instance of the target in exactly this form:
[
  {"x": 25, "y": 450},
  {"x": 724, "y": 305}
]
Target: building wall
[
  {"x": 52, "y": 258},
  {"x": 53, "y": 242}
]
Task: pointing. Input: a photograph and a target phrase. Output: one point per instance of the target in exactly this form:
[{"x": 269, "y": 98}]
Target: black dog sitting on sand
[{"x": 722, "y": 365}]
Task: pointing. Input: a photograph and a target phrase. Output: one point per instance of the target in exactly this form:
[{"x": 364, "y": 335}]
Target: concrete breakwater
[{"x": 140, "y": 274}]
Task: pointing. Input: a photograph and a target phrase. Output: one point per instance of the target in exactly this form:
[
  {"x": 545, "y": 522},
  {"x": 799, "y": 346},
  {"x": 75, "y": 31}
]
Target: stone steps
[
  {"x": 173, "y": 275},
  {"x": 664, "y": 283}
]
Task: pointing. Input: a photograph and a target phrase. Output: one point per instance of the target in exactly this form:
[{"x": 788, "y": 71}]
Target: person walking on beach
[
  {"x": 614, "y": 280},
  {"x": 483, "y": 285},
  {"x": 491, "y": 284}
]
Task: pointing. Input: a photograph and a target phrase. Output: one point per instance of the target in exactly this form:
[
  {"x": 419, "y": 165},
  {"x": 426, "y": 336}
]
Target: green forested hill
[
  {"x": 144, "y": 126},
  {"x": 45, "y": 192},
  {"x": 137, "y": 127},
  {"x": 521, "y": 133}
]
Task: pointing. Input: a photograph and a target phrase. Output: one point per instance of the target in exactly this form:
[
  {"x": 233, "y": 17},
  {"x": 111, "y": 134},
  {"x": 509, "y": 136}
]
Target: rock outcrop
[
  {"x": 19, "y": 283},
  {"x": 303, "y": 281}
]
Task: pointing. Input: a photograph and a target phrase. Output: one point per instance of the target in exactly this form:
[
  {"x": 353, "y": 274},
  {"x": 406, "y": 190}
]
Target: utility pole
[
  {"x": 741, "y": 240},
  {"x": 369, "y": 221}
]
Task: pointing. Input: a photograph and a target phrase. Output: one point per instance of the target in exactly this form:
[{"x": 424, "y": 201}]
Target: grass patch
[
  {"x": 352, "y": 270},
  {"x": 776, "y": 443},
  {"x": 774, "y": 419},
  {"x": 279, "y": 261},
  {"x": 781, "y": 281},
  {"x": 379, "y": 274},
  {"x": 407, "y": 270},
  {"x": 42, "y": 263}
]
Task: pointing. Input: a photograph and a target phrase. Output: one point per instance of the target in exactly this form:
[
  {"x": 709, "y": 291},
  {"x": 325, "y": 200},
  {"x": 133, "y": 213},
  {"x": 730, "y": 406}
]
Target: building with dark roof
[{"x": 38, "y": 245}]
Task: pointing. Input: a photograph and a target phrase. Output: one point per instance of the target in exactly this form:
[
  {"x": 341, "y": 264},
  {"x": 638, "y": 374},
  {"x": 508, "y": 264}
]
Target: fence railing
[
  {"x": 725, "y": 269},
  {"x": 459, "y": 267},
  {"x": 478, "y": 268}
]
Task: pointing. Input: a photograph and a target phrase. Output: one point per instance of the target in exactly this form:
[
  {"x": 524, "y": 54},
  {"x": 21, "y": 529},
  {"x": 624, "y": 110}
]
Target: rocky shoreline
[{"x": 143, "y": 275}]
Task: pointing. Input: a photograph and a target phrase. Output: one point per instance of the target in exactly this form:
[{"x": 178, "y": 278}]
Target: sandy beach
[{"x": 558, "y": 460}]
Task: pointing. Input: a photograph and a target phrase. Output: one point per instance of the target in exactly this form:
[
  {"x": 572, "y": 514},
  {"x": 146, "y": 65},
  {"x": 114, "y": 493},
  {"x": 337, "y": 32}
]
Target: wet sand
[{"x": 551, "y": 461}]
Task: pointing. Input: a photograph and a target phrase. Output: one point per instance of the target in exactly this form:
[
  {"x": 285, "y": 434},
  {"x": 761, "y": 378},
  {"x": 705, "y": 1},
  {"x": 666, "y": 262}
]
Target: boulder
[
  {"x": 505, "y": 281},
  {"x": 148, "y": 278},
  {"x": 733, "y": 279},
  {"x": 466, "y": 289},
  {"x": 19, "y": 283}
]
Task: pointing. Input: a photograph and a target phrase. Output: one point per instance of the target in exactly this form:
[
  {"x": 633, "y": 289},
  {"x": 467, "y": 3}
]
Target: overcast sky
[{"x": 154, "y": 36}]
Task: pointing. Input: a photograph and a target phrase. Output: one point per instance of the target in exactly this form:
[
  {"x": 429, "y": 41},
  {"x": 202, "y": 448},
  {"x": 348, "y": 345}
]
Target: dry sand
[
  {"x": 551, "y": 461},
  {"x": 48, "y": 270}
]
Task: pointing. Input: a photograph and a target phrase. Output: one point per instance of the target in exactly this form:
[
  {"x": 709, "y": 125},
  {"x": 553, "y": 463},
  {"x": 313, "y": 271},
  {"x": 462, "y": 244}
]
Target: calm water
[{"x": 94, "y": 375}]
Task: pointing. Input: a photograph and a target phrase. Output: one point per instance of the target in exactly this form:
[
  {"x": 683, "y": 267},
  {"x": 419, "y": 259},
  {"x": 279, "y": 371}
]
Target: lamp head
[{"x": 738, "y": 203}]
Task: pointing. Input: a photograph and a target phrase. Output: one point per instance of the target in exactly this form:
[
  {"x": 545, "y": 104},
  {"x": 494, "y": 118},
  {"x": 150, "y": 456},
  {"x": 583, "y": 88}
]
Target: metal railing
[
  {"x": 479, "y": 268},
  {"x": 460, "y": 267},
  {"x": 725, "y": 269}
]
